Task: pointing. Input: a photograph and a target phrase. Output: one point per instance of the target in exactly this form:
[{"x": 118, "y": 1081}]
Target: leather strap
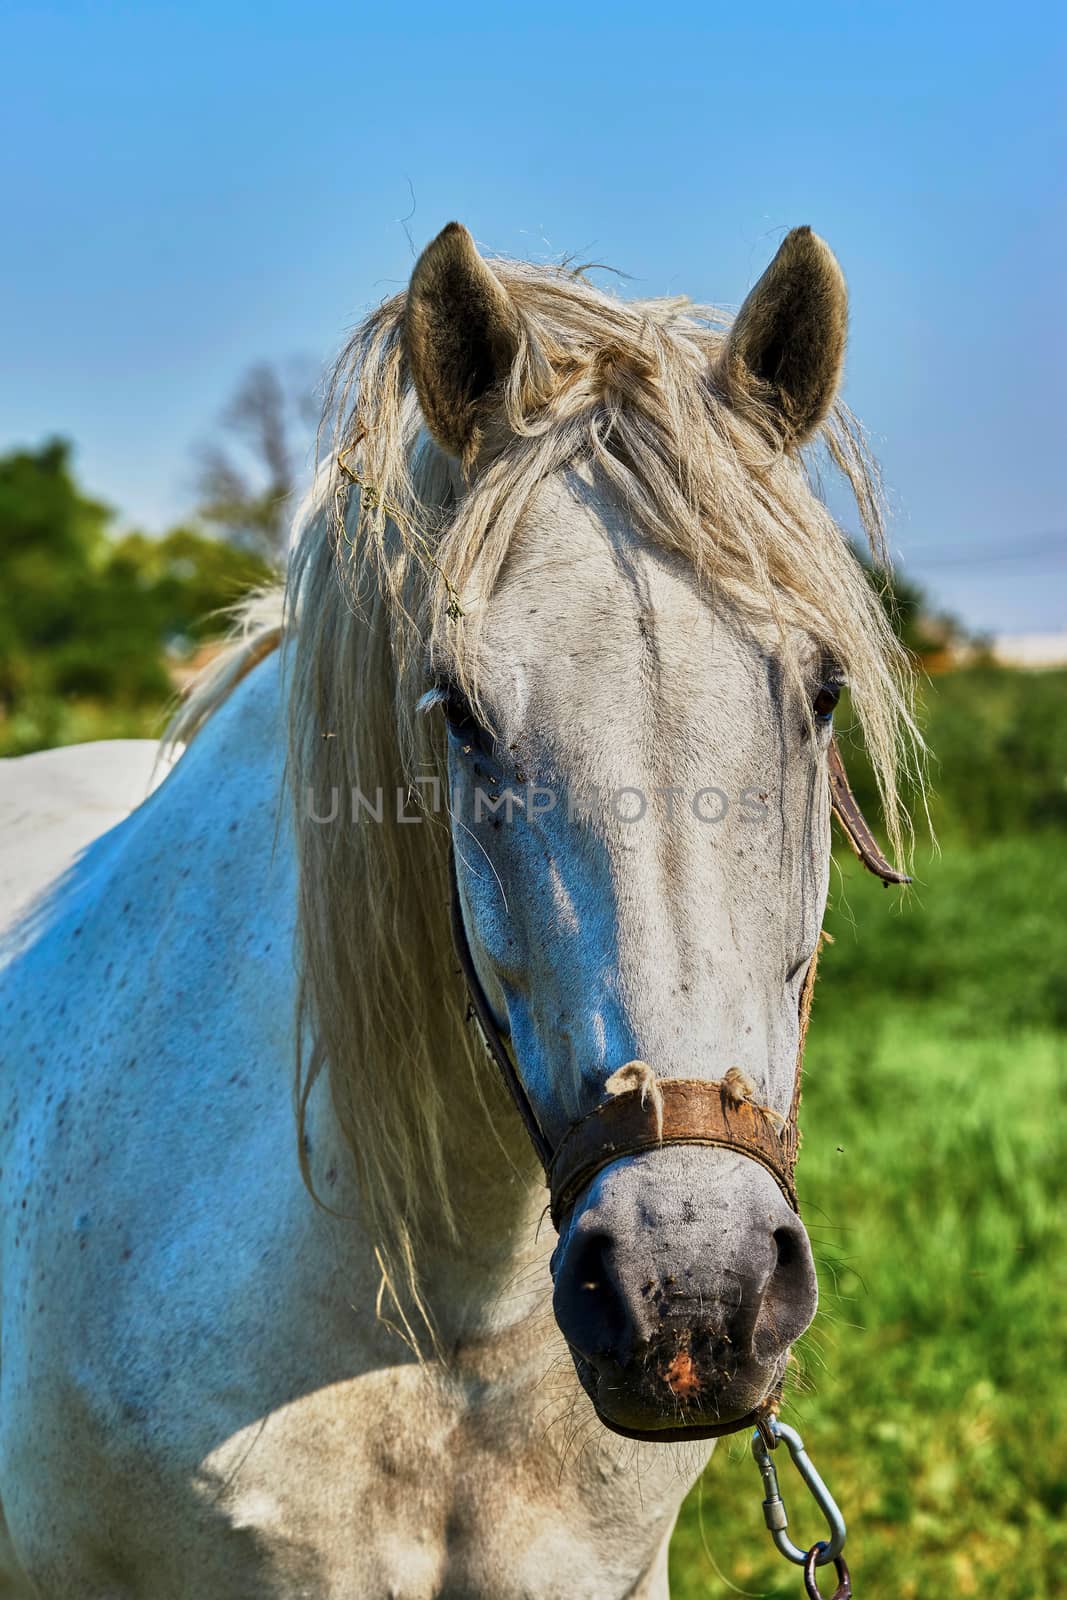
[
  {"x": 768, "y": 1406},
  {"x": 854, "y": 823},
  {"x": 487, "y": 1025},
  {"x": 695, "y": 1111}
]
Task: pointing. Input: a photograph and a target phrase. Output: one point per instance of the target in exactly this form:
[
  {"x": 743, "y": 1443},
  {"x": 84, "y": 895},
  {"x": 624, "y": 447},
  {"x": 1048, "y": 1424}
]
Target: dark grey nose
[{"x": 681, "y": 1280}]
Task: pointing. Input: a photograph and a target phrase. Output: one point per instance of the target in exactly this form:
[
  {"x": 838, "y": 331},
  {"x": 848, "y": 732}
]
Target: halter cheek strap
[
  {"x": 854, "y": 823},
  {"x": 482, "y": 1012}
]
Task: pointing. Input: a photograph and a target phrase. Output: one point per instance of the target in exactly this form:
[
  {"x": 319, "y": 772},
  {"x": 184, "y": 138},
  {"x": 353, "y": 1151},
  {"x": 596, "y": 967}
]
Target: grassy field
[{"x": 934, "y": 1182}]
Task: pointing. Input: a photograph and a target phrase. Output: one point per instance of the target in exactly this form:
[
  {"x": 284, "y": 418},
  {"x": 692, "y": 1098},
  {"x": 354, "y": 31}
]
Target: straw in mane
[{"x": 398, "y": 560}]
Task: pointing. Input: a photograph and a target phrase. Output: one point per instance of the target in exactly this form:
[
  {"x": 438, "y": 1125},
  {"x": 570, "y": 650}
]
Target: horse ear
[
  {"x": 787, "y": 344},
  {"x": 461, "y": 331}
]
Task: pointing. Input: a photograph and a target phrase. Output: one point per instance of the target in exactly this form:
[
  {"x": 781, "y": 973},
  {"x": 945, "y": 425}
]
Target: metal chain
[{"x": 811, "y": 1582}]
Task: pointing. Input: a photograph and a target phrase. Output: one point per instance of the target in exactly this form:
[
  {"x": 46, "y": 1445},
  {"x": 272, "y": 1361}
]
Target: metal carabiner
[{"x": 774, "y": 1513}]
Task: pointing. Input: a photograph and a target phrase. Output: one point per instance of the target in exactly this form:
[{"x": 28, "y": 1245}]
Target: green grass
[{"x": 934, "y": 1184}]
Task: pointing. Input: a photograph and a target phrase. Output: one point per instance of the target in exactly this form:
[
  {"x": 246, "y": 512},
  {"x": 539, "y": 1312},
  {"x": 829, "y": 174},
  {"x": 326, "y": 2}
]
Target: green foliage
[
  {"x": 981, "y": 934},
  {"x": 90, "y": 625},
  {"x": 999, "y": 740},
  {"x": 908, "y": 609}
]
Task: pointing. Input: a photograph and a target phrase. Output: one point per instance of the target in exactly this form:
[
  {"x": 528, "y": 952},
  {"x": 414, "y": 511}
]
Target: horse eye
[
  {"x": 462, "y": 723},
  {"x": 826, "y": 699},
  {"x": 457, "y": 712}
]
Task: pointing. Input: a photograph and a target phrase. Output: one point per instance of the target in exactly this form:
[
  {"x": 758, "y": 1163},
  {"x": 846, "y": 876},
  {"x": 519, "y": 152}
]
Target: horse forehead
[{"x": 587, "y": 601}]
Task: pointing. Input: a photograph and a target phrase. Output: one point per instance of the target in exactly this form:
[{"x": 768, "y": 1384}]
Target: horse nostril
[
  {"x": 786, "y": 1245},
  {"x": 789, "y": 1300},
  {"x": 597, "y": 1312},
  {"x": 590, "y": 1260}
]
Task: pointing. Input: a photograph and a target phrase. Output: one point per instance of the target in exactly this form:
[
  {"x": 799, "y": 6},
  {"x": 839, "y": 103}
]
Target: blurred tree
[
  {"x": 91, "y": 626},
  {"x": 247, "y": 497},
  {"x": 52, "y": 544}
]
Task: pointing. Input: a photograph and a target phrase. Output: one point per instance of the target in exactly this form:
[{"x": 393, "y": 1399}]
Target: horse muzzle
[{"x": 681, "y": 1279}]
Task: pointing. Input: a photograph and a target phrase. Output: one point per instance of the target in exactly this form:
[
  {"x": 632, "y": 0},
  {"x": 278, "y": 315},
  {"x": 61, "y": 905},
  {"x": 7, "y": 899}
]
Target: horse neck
[
  {"x": 497, "y": 1191},
  {"x": 488, "y": 1269}
]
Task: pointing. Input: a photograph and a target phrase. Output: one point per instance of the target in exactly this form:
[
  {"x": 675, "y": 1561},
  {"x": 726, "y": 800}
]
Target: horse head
[{"x": 637, "y": 765}]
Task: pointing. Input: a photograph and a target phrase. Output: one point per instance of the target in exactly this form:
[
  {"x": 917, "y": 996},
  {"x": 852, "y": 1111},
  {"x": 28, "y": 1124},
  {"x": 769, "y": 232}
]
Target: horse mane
[
  {"x": 257, "y": 629},
  {"x": 393, "y": 561}
]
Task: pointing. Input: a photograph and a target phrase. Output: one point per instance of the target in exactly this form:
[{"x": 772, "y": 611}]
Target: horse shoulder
[{"x": 150, "y": 1187}]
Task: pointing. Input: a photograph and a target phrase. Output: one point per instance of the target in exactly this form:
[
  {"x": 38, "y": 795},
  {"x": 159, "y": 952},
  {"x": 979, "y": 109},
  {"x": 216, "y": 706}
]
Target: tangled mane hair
[{"x": 402, "y": 549}]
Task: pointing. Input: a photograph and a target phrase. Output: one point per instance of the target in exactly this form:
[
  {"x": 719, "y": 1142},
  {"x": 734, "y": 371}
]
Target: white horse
[{"x": 586, "y": 614}]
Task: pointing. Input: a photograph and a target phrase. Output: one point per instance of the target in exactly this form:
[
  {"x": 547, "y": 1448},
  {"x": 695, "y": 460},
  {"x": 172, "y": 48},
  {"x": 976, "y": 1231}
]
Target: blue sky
[{"x": 190, "y": 188}]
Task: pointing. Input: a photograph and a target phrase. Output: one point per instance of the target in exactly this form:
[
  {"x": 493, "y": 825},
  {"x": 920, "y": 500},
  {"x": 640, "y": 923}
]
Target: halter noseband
[{"x": 686, "y": 1110}]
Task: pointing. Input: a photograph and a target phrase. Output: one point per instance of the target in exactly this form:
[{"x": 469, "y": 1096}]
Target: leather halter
[{"x": 692, "y": 1110}]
